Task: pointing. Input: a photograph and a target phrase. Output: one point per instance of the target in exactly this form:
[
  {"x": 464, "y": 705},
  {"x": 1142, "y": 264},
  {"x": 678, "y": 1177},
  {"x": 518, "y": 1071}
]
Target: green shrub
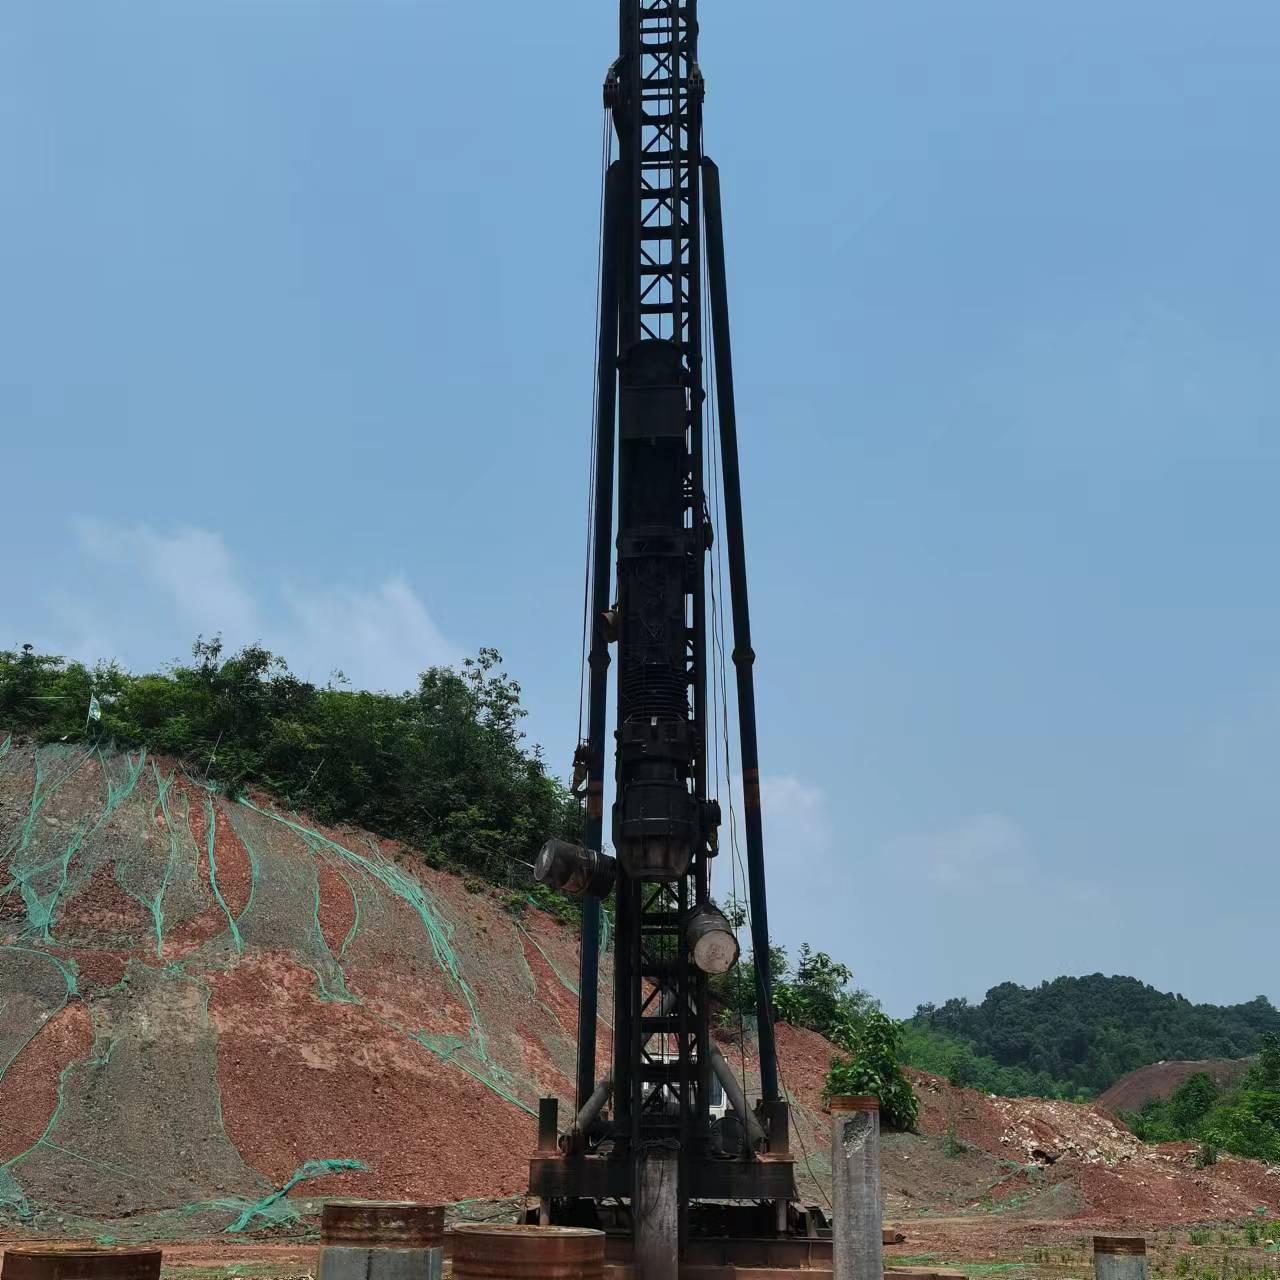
[
  {"x": 441, "y": 767},
  {"x": 869, "y": 1068},
  {"x": 943, "y": 1055},
  {"x": 1244, "y": 1120}
]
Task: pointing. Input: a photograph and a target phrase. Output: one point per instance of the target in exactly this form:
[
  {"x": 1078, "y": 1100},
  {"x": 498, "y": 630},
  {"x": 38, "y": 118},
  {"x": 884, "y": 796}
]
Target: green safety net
[
  {"x": 151, "y": 928},
  {"x": 274, "y": 1207}
]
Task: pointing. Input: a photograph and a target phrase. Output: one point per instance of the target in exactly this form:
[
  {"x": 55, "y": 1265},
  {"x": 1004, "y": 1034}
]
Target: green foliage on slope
[
  {"x": 442, "y": 767},
  {"x": 1244, "y": 1120},
  {"x": 818, "y": 995},
  {"x": 956, "y": 1062},
  {"x": 869, "y": 1067},
  {"x": 1080, "y": 1035}
]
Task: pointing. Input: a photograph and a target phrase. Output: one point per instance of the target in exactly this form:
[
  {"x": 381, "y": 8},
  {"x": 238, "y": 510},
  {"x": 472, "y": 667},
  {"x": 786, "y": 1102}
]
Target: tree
[
  {"x": 1244, "y": 1120},
  {"x": 442, "y": 767},
  {"x": 869, "y": 1068},
  {"x": 1192, "y": 1100},
  {"x": 1084, "y": 1033},
  {"x": 1265, "y": 1073}
]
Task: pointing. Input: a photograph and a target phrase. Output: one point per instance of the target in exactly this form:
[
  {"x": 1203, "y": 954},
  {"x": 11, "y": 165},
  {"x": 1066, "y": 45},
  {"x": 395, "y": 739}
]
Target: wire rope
[
  {"x": 713, "y": 446},
  {"x": 606, "y": 141}
]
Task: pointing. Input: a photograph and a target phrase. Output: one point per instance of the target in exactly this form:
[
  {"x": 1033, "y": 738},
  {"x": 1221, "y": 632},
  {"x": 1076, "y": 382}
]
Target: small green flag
[{"x": 95, "y": 711}]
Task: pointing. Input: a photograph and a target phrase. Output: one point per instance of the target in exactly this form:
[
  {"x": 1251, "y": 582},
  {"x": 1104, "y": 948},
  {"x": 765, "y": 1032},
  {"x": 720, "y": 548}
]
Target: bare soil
[
  {"x": 1161, "y": 1079},
  {"x": 390, "y": 1077}
]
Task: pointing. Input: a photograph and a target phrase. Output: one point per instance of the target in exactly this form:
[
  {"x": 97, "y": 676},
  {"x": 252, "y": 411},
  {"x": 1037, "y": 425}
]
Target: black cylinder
[
  {"x": 656, "y": 816},
  {"x": 574, "y": 870}
]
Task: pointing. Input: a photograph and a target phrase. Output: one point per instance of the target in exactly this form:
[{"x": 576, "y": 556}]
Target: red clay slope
[
  {"x": 1161, "y": 1079},
  {"x": 202, "y": 996}
]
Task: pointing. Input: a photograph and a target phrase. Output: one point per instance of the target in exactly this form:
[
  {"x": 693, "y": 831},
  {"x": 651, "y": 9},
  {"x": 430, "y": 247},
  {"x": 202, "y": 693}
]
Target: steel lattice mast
[
  {"x": 661, "y": 823},
  {"x": 649, "y": 597}
]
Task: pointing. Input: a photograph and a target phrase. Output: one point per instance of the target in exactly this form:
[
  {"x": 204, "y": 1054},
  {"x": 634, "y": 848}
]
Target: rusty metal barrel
[
  {"x": 489, "y": 1251},
  {"x": 26, "y": 1262},
  {"x": 1119, "y": 1258},
  {"x": 381, "y": 1240}
]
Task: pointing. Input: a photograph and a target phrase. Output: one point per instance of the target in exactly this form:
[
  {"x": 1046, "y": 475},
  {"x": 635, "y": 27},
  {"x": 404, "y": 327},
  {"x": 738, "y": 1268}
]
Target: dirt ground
[
  {"x": 1161, "y": 1079},
  {"x": 231, "y": 994},
  {"x": 979, "y": 1246}
]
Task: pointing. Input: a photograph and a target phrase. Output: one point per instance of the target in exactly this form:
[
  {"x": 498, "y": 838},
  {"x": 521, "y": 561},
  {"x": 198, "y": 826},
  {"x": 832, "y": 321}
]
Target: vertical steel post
[
  {"x": 629, "y": 135},
  {"x": 697, "y": 454},
  {"x": 548, "y": 1124},
  {"x": 743, "y": 654},
  {"x": 626, "y": 898},
  {"x": 601, "y": 570}
]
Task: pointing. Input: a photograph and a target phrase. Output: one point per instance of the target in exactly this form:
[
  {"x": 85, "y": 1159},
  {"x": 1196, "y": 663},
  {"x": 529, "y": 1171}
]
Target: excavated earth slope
[
  {"x": 1161, "y": 1080},
  {"x": 206, "y": 1003}
]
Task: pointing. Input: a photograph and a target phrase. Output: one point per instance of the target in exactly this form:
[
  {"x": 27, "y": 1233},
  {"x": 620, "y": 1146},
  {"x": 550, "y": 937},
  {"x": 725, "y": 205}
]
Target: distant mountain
[{"x": 1089, "y": 1032}]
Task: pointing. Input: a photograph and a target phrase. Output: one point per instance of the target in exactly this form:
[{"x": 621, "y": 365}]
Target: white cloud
[
  {"x": 968, "y": 853},
  {"x": 191, "y": 568},
  {"x": 800, "y": 853},
  {"x": 947, "y": 909},
  {"x": 380, "y": 638},
  {"x": 797, "y": 824},
  {"x": 162, "y": 589},
  {"x": 797, "y": 828}
]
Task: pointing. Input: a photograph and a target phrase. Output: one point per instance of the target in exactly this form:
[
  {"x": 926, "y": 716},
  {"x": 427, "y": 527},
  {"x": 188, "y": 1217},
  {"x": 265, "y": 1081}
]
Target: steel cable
[
  {"x": 722, "y": 711},
  {"x": 606, "y": 149}
]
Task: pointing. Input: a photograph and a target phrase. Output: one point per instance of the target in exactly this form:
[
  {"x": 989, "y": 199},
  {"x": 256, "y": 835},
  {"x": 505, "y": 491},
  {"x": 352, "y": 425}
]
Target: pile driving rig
[{"x": 645, "y": 1156}]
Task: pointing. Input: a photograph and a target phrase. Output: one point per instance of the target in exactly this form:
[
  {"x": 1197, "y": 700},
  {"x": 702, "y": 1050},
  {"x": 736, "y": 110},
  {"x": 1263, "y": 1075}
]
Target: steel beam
[
  {"x": 743, "y": 654},
  {"x": 601, "y": 568}
]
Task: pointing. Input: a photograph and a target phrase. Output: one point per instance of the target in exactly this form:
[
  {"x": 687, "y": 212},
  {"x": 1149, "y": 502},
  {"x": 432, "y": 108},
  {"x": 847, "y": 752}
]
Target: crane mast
[
  {"x": 662, "y": 826},
  {"x": 644, "y": 1136}
]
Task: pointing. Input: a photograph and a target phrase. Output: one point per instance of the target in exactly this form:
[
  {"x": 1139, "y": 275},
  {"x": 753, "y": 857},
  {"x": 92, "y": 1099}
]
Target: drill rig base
[
  {"x": 735, "y": 1255},
  {"x": 568, "y": 1177},
  {"x": 734, "y": 1258},
  {"x": 731, "y": 1219}
]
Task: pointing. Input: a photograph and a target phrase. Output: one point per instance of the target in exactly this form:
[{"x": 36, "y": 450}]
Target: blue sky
[{"x": 296, "y": 327}]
